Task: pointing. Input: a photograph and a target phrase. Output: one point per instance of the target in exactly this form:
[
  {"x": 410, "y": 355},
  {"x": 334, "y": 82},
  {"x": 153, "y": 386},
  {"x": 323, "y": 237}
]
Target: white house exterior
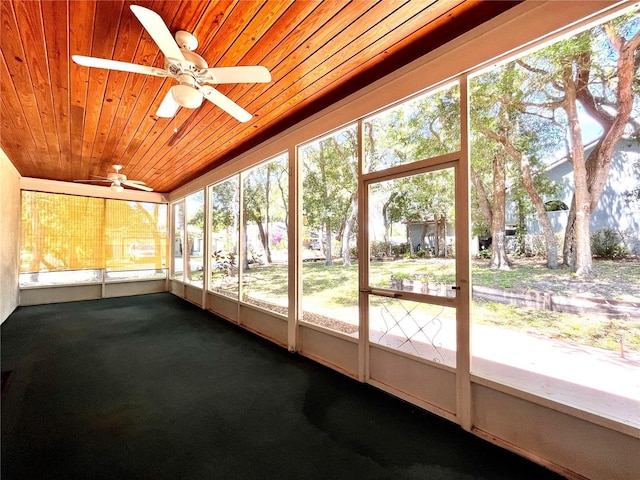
[{"x": 614, "y": 210}]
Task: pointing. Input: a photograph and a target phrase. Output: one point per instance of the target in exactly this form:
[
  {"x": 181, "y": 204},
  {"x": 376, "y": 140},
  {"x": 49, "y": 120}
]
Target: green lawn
[{"x": 335, "y": 288}]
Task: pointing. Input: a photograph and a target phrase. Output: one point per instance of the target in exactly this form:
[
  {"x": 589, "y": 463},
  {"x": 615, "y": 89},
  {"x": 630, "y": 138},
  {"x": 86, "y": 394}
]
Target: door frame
[{"x": 450, "y": 394}]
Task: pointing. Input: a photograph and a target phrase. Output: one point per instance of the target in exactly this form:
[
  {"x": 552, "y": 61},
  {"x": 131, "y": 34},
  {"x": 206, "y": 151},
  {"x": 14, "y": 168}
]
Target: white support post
[
  {"x": 463, "y": 266},
  {"x": 295, "y": 248},
  {"x": 363, "y": 263},
  {"x": 168, "y": 249},
  {"x": 241, "y": 242},
  {"x": 206, "y": 253}
]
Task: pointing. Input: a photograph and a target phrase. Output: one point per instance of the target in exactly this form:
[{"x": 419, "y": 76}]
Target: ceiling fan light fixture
[
  {"x": 186, "y": 40},
  {"x": 116, "y": 187},
  {"x": 187, "y": 96}
]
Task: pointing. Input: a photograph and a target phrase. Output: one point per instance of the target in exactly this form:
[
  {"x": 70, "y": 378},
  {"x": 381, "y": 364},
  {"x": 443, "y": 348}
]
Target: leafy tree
[
  {"x": 532, "y": 104},
  {"x": 502, "y": 145},
  {"x": 330, "y": 189},
  {"x": 265, "y": 191},
  {"x": 194, "y": 211},
  {"x": 255, "y": 189},
  {"x": 435, "y": 197},
  {"x": 420, "y": 129},
  {"x": 597, "y": 71},
  {"x": 224, "y": 204},
  {"x": 180, "y": 233},
  {"x": 224, "y": 218}
]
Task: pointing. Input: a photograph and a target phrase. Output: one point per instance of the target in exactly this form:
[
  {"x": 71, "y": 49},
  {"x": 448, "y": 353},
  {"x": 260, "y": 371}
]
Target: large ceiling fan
[
  {"x": 190, "y": 70},
  {"x": 119, "y": 181}
]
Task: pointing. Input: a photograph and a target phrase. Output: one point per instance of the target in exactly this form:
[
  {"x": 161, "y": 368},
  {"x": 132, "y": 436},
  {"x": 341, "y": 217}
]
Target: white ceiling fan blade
[
  {"x": 129, "y": 183},
  {"x": 83, "y": 181},
  {"x": 169, "y": 107},
  {"x": 225, "y": 104},
  {"x": 248, "y": 74},
  {"x": 116, "y": 65},
  {"x": 153, "y": 23}
]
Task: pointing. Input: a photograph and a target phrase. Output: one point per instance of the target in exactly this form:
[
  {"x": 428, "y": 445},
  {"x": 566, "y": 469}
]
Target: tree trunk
[
  {"x": 569, "y": 246},
  {"x": 423, "y": 237},
  {"x": 599, "y": 160},
  {"x": 327, "y": 235},
  {"x": 590, "y": 176},
  {"x": 348, "y": 228},
  {"x": 483, "y": 198},
  {"x": 245, "y": 251},
  {"x": 267, "y": 216},
  {"x": 443, "y": 226},
  {"x": 499, "y": 259},
  {"x": 551, "y": 245},
  {"x": 581, "y": 205},
  {"x": 408, "y": 233},
  {"x": 387, "y": 222},
  {"x": 264, "y": 239}
]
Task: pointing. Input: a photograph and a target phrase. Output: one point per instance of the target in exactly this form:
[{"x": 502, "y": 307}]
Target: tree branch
[{"x": 531, "y": 68}]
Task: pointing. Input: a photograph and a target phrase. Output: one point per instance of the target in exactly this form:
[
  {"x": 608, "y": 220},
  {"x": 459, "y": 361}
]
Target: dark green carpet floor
[{"x": 151, "y": 387}]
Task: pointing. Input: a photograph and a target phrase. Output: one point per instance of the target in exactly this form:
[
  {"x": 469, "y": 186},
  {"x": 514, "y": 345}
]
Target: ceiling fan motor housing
[{"x": 116, "y": 177}]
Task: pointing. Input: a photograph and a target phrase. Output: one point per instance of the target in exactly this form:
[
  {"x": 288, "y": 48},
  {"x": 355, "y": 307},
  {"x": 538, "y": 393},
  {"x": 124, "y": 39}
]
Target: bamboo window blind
[{"x": 67, "y": 232}]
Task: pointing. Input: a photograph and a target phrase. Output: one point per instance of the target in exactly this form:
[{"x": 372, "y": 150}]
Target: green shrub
[
  {"x": 400, "y": 249},
  {"x": 401, "y": 276},
  {"x": 379, "y": 249},
  {"x": 608, "y": 243}
]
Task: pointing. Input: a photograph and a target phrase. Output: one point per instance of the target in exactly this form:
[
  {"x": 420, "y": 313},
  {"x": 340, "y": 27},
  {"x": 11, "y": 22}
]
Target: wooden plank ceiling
[{"x": 63, "y": 121}]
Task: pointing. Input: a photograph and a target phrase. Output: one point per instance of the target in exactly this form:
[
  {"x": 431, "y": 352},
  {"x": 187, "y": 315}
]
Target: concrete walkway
[
  {"x": 592, "y": 379},
  {"x": 599, "y": 381}
]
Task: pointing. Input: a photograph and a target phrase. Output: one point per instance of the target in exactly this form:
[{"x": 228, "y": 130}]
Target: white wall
[{"x": 9, "y": 244}]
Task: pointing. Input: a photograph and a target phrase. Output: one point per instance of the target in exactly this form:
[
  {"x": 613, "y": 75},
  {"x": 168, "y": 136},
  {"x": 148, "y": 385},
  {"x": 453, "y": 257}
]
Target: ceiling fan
[
  {"x": 187, "y": 67},
  {"x": 119, "y": 181}
]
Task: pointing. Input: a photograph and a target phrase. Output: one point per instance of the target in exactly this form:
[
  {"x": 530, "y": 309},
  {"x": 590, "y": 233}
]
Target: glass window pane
[
  {"x": 69, "y": 239},
  {"x": 428, "y": 331},
  {"x": 61, "y": 233},
  {"x": 424, "y": 127},
  {"x": 60, "y": 277},
  {"x": 330, "y": 203},
  {"x": 224, "y": 231},
  {"x": 177, "y": 272},
  {"x": 556, "y": 290},
  {"x": 266, "y": 224},
  {"x": 412, "y": 234},
  {"x": 194, "y": 251},
  {"x": 136, "y": 239}
]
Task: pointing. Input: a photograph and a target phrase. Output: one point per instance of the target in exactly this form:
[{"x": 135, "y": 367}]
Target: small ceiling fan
[
  {"x": 119, "y": 181},
  {"x": 188, "y": 68}
]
